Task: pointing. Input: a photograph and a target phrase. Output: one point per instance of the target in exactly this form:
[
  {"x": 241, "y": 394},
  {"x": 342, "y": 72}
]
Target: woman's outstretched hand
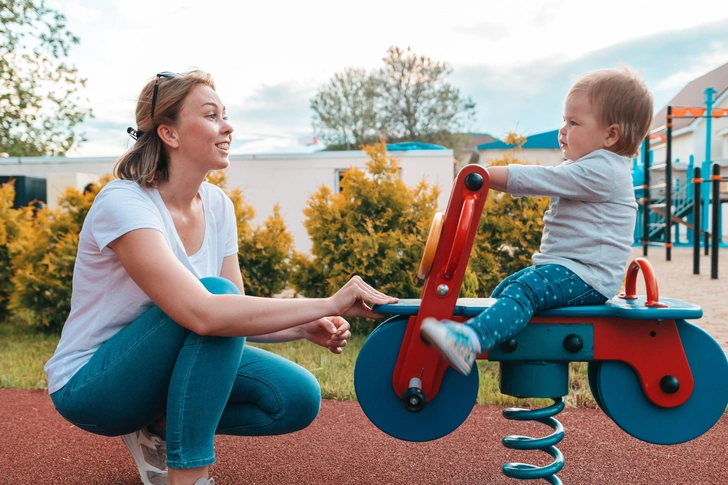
[
  {"x": 329, "y": 332},
  {"x": 351, "y": 300}
]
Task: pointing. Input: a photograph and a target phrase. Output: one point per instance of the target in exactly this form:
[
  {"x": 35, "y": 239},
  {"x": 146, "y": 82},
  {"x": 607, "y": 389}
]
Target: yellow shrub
[
  {"x": 508, "y": 234},
  {"x": 375, "y": 227},
  {"x": 264, "y": 251},
  {"x": 43, "y": 256},
  {"x": 12, "y": 224}
]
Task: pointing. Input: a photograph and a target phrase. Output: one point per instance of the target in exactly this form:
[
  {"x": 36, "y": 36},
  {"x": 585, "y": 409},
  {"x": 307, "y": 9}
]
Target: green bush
[
  {"x": 38, "y": 253},
  {"x": 375, "y": 227},
  {"x": 508, "y": 234},
  {"x": 264, "y": 252},
  {"x": 43, "y": 257},
  {"x": 12, "y": 224}
]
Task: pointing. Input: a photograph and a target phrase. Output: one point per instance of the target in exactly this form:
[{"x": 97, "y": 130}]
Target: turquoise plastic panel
[{"x": 616, "y": 308}]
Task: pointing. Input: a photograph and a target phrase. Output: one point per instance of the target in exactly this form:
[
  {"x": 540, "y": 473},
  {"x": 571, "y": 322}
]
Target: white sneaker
[
  {"x": 452, "y": 341},
  {"x": 205, "y": 481},
  {"x": 150, "y": 454}
]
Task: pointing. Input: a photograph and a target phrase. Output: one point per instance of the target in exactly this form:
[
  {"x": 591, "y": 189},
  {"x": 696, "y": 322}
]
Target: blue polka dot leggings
[{"x": 531, "y": 290}]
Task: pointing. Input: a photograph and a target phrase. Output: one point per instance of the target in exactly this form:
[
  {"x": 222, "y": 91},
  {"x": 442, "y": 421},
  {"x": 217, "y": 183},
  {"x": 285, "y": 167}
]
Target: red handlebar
[
  {"x": 461, "y": 235},
  {"x": 630, "y": 285}
]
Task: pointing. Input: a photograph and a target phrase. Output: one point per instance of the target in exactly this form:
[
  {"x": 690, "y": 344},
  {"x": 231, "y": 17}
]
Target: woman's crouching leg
[{"x": 271, "y": 396}]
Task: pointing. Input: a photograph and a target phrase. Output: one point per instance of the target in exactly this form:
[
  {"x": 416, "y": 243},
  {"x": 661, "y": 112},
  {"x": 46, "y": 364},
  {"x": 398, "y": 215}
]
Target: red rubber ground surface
[{"x": 343, "y": 447}]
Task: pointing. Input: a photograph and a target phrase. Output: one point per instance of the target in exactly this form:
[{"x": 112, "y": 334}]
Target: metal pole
[
  {"x": 646, "y": 197},
  {"x": 708, "y": 121},
  {"x": 668, "y": 187},
  {"x": 706, "y": 164},
  {"x": 696, "y": 220},
  {"x": 714, "y": 226}
]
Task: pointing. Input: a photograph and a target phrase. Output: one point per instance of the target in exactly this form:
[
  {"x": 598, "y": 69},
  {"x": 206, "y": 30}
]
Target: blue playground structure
[{"x": 685, "y": 197}]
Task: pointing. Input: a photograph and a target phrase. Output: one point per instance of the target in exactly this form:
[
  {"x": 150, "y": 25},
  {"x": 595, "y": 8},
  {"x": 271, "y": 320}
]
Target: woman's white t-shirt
[{"x": 104, "y": 298}]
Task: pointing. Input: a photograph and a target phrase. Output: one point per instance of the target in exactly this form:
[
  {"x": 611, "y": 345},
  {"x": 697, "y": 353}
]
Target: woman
[{"x": 153, "y": 346}]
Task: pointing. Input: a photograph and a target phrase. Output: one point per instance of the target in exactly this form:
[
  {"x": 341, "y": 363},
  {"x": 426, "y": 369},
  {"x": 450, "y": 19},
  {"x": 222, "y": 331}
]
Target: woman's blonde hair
[
  {"x": 147, "y": 161},
  {"x": 618, "y": 96}
]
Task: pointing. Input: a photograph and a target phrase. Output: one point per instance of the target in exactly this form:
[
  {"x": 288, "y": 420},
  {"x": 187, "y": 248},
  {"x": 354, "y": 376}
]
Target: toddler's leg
[
  {"x": 536, "y": 289},
  {"x": 532, "y": 290}
]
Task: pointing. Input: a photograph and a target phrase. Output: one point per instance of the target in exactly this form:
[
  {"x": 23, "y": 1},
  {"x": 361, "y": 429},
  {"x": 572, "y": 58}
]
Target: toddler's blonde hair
[{"x": 618, "y": 96}]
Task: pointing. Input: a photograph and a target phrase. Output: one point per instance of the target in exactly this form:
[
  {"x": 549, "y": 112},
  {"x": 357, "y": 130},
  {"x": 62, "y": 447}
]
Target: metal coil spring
[{"x": 524, "y": 471}]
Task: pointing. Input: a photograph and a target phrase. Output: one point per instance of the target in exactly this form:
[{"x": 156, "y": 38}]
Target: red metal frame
[
  {"x": 416, "y": 359},
  {"x": 637, "y": 342}
]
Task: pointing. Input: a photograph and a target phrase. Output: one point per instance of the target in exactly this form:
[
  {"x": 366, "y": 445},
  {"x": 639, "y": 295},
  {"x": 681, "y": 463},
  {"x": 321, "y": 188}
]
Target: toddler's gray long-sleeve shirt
[{"x": 590, "y": 222}]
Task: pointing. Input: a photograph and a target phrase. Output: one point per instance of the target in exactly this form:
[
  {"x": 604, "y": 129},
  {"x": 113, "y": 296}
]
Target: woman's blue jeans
[
  {"x": 204, "y": 386},
  {"x": 531, "y": 290}
]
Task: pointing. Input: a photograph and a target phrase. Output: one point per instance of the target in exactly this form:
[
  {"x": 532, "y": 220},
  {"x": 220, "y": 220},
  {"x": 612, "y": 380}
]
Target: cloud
[
  {"x": 273, "y": 118},
  {"x": 79, "y": 13},
  {"x": 493, "y": 31},
  {"x": 528, "y": 97}
]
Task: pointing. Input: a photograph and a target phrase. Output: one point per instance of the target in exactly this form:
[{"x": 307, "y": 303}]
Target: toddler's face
[{"x": 582, "y": 132}]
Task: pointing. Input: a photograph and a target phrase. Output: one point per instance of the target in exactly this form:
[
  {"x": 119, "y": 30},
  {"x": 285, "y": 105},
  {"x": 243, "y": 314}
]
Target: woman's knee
[
  {"x": 219, "y": 286},
  {"x": 301, "y": 398}
]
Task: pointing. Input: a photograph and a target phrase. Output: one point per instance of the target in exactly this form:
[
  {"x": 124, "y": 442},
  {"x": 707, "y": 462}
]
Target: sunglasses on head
[{"x": 166, "y": 75}]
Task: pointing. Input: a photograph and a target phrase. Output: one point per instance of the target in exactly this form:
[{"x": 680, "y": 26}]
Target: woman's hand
[
  {"x": 329, "y": 332},
  {"x": 350, "y": 300}
]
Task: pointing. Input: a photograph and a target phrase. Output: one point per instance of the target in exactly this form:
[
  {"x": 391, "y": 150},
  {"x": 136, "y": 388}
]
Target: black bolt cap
[
  {"x": 573, "y": 343},
  {"x": 669, "y": 384},
  {"x": 414, "y": 399},
  {"x": 509, "y": 345},
  {"x": 474, "y": 182}
]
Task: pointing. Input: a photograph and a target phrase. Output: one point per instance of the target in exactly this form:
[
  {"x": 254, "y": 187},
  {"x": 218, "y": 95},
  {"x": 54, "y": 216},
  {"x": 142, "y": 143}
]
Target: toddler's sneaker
[
  {"x": 205, "y": 481},
  {"x": 150, "y": 454},
  {"x": 452, "y": 340}
]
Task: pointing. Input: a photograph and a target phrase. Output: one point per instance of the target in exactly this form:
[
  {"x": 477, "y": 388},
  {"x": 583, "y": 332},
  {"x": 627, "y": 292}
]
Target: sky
[{"x": 515, "y": 60}]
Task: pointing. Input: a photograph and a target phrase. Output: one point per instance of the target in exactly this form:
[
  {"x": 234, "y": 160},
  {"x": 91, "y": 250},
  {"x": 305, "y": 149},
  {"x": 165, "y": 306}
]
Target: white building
[
  {"x": 265, "y": 179},
  {"x": 539, "y": 149}
]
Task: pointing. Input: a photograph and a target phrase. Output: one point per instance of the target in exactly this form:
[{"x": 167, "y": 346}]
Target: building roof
[
  {"x": 693, "y": 94},
  {"x": 412, "y": 145},
  {"x": 547, "y": 140},
  {"x": 473, "y": 140}
]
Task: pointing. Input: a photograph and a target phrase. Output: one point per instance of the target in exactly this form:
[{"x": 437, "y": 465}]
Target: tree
[
  {"x": 418, "y": 103},
  {"x": 345, "y": 110},
  {"x": 408, "y": 99},
  {"x": 40, "y": 105}
]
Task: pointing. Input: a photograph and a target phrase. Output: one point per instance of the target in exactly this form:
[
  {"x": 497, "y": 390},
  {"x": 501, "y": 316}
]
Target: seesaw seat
[{"x": 614, "y": 308}]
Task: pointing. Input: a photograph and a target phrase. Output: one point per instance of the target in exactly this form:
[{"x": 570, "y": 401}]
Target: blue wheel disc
[
  {"x": 626, "y": 404},
  {"x": 373, "y": 384},
  {"x": 592, "y": 374}
]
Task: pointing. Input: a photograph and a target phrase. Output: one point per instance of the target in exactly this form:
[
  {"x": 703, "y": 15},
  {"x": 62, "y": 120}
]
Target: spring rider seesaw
[{"x": 660, "y": 378}]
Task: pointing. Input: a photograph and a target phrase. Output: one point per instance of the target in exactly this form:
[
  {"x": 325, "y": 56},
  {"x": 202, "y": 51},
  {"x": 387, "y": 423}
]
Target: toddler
[{"x": 588, "y": 228}]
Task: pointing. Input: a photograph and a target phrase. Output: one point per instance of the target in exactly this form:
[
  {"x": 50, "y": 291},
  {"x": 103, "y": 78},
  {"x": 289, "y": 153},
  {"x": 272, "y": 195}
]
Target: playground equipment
[
  {"x": 678, "y": 201},
  {"x": 660, "y": 378}
]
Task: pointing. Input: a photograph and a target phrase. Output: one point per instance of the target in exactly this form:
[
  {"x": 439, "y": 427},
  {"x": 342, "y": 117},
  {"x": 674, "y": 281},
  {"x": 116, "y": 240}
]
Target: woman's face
[{"x": 203, "y": 130}]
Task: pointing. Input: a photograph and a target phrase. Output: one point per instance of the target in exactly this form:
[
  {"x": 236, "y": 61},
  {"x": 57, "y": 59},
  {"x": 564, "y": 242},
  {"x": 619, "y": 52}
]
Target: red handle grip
[
  {"x": 461, "y": 235},
  {"x": 630, "y": 284}
]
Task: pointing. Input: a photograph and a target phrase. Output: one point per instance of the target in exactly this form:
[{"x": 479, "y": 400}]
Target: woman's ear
[
  {"x": 612, "y": 134},
  {"x": 168, "y": 135}
]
